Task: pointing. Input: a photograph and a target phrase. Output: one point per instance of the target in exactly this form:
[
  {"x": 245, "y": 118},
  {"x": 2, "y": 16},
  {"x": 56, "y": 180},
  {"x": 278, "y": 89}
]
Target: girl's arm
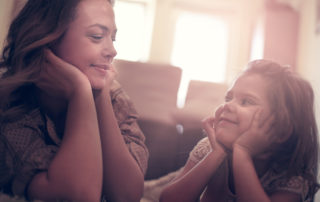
[
  {"x": 189, "y": 185},
  {"x": 255, "y": 143},
  {"x": 247, "y": 183},
  {"x": 194, "y": 178},
  {"x": 122, "y": 177},
  {"x": 75, "y": 173}
]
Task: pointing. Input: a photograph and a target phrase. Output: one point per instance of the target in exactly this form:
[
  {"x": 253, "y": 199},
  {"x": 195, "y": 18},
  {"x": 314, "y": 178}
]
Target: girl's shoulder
[
  {"x": 202, "y": 148},
  {"x": 274, "y": 181}
]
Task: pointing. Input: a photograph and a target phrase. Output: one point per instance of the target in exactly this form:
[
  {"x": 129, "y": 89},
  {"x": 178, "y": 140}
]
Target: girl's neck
[{"x": 261, "y": 165}]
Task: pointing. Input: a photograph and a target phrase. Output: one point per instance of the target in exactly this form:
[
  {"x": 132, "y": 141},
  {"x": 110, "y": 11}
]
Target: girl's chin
[{"x": 227, "y": 139}]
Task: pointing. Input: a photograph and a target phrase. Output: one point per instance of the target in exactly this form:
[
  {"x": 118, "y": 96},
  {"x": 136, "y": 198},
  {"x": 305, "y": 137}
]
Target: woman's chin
[{"x": 97, "y": 85}]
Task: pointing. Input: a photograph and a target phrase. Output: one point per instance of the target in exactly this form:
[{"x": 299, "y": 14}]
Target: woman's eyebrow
[{"x": 103, "y": 27}]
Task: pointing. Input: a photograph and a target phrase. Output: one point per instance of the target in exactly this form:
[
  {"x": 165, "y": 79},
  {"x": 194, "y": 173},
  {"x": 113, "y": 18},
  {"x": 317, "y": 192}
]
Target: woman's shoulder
[{"x": 32, "y": 118}]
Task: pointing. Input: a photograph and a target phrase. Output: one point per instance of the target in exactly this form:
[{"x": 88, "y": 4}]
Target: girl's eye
[
  {"x": 227, "y": 98},
  {"x": 246, "y": 101}
]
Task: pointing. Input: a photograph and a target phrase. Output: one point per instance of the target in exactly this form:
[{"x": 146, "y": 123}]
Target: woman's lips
[{"x": 100, "y": 68}]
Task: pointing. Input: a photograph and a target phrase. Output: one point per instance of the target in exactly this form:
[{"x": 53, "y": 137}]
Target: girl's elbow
[{"x": 164, "y": 196}]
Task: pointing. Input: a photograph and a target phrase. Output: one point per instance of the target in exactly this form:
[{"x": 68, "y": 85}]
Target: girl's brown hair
[{"x": 292, "y": 101}]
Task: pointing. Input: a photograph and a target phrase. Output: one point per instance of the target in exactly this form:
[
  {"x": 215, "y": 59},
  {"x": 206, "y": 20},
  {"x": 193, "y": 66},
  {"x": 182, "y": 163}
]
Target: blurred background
[{"x": 212, "y": 40}]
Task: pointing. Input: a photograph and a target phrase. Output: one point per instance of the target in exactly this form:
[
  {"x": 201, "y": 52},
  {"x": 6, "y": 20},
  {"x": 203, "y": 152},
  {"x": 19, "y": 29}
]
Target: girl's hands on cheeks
[
  {"x": 208, "y": 125},
  {"x": 259, "y": 137},
  {"x": 60, "y": 78}
]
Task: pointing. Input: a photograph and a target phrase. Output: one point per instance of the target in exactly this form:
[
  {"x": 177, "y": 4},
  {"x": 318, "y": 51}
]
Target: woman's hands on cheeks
[
  {"x": 259, "y": 137},
  {"x": 111, "y": 74},
  {"x": 59, "y": 77}
]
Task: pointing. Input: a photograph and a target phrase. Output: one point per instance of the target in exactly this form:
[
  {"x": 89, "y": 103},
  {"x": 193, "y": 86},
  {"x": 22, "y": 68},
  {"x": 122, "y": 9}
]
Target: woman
[{"x": 68, "y": 131}]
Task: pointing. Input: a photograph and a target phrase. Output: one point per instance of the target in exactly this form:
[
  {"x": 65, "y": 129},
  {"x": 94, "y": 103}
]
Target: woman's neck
[{"x": 54, "y": 106}]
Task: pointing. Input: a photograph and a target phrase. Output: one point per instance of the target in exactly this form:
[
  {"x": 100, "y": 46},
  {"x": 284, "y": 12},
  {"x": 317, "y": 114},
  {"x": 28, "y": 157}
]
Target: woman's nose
[{"x": 109, "y": 50}]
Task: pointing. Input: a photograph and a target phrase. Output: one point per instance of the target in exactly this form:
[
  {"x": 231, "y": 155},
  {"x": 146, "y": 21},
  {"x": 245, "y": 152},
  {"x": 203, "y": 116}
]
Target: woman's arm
[
  {"x": 122, "y": 177},
  {"x": 75, "y": 173}
]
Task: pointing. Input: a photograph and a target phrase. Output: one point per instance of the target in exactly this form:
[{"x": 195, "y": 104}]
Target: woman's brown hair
[{"x": 39, "y": 25}]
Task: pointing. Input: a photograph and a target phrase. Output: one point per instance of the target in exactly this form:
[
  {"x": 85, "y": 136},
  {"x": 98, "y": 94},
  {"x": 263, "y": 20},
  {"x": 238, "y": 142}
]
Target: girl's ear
[{"x": 286, "y": 134}]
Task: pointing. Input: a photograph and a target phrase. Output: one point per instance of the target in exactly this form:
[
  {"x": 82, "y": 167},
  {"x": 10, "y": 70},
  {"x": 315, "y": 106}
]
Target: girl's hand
[
  {"x": 208, "y": 126},
  {"x": 60, "y": 78},
  {"x": 259, "y": 137}
]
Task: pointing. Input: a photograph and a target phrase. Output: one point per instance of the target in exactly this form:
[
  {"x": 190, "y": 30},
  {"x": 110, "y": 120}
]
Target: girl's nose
[{"x": 228, "y": 106}]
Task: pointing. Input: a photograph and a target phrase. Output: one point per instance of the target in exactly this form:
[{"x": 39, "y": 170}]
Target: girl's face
[
  {"x": 88, "y": 43},
  {"x": 243, "y": 99}
]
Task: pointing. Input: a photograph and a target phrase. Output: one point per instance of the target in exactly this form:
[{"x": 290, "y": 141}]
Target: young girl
[
  {"x": 68, "y": 131},
  {"x": 262, "y": 143}
]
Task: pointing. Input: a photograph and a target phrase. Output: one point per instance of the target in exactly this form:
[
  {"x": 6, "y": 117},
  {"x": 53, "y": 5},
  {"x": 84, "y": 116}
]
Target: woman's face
[
  {"x": 243, "y": 99},
  {"x": 88, "y": 42}
]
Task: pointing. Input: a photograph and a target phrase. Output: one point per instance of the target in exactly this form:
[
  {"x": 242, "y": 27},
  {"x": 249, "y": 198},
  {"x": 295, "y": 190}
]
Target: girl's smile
[{"x": 247, "y": 95}]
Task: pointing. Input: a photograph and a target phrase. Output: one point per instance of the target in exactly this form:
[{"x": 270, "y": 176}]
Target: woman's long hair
[
  {"x": 40, "y": 24},
  {"x": 292, "y": 101}
]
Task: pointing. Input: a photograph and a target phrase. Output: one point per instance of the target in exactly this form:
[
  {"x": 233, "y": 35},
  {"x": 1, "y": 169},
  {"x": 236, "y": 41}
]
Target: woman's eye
[{"x": 96, "y": 37}]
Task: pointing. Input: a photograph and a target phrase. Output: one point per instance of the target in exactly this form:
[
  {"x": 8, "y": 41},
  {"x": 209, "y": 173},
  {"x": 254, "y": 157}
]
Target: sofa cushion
[{"x": 152, "y": 87}]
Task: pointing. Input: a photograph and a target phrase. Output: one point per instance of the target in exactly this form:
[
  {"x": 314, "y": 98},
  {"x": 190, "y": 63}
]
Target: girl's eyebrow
[{"x": 250, "y": 95}]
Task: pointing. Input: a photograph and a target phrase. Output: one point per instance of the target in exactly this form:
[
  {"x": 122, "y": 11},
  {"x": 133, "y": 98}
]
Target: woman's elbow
[{"x": 86, "y": 193}]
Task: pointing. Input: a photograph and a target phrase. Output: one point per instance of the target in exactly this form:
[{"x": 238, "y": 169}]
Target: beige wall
[
  {"x": 309, "y": 52},
  {"x": 309, "y": 49},
  {"x": 242, "y": 14},
  {"x": 5, "y": 17}
]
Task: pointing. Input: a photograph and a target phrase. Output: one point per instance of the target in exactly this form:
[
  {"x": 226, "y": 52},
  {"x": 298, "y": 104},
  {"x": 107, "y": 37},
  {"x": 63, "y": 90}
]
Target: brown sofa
[{"x": 170, "y": 132}]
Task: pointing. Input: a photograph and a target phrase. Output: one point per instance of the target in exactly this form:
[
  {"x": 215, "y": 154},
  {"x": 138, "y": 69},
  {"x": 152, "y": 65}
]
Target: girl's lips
[{"x": 227, "y": 121}]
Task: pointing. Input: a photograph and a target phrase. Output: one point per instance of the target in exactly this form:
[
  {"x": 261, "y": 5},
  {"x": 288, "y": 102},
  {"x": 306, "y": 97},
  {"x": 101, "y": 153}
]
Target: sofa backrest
[
  {"x": 201, "y": 101},
  {"x": 152, "y": 87}
]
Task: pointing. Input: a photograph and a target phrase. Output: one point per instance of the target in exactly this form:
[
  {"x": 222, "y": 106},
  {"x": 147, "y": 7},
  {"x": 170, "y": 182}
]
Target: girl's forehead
[{"x": 251, "y": 83}]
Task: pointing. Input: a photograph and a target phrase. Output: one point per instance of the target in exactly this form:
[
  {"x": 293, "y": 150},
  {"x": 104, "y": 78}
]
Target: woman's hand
[
  {"x": 208, "y": 126},
  {"x": 111, "y": 74},
  {"x": 59, "y": 77},
  {"x": 259, "y": 137}
]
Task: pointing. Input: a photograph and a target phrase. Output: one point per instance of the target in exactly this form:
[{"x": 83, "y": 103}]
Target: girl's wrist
[
  {"x": 224, "y": 148},
  {"x": 238, "y": 148}
]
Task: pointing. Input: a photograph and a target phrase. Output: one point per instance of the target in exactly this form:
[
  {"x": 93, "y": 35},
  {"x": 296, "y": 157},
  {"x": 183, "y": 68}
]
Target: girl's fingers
[{"x": 207, "y": 125}]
